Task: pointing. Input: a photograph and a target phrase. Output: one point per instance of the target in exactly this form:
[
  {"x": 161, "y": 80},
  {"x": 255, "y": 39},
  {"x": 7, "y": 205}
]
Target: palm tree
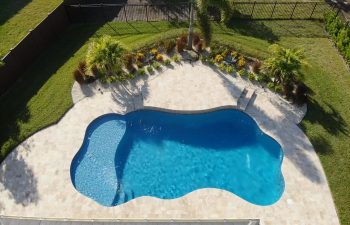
[
  {"x": 203, "y": 18},
  {"x": 105, "y": 54},
  {"x": 284, "y": 65}
]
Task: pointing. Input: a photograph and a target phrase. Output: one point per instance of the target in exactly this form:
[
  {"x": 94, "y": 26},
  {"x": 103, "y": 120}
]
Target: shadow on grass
[
  {"x": 9, "y": 8},
  {"x": 252, "y": 28},
  {"x": 326, "y": 116},
  {"x": 15, "y": 101},
  {"x": 321, "y": 145}
]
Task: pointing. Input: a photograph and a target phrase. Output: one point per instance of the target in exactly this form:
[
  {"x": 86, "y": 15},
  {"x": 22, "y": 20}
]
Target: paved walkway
[{"x": 35, "y": 177}]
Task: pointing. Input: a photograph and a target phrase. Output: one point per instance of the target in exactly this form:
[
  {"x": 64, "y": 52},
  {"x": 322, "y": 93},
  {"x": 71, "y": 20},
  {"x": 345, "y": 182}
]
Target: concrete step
[{"x": 244, "y": 100}]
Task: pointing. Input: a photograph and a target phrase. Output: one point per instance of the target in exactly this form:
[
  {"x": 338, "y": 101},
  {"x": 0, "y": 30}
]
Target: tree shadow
[
  {"x": 16, "y": 99},
  {"x": 252, "y": 28},
  {"x": 321, "y": 145},
  {"x": 18, "y": 178},
  {"x": 326, "y": 116},
  {"x": 9, "y": 8}
]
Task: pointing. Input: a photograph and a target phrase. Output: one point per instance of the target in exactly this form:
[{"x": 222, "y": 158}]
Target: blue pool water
[{"x": 167, "y": 155}]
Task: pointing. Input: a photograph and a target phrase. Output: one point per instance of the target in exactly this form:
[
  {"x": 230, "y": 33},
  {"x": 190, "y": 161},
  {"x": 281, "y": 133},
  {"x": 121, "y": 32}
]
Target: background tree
[
  {"x": 225, "y": 8},
  {"x": 105, "y": 54}
]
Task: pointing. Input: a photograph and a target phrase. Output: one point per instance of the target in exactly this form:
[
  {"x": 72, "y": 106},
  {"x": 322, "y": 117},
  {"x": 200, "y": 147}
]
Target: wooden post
[
  {"x": 126, "y": 18},
  {"x": 251, "y": 14},
  {"x": 273, "y": 10},
  {"x": 291, "y": 16},
  {"x": 312, "y": 12}
]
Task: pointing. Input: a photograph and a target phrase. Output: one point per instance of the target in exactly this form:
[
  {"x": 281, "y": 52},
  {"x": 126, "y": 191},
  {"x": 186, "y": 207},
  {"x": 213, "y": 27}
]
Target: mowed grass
[
  {"x": 43, "y": 94},
  {"x": 17, "y": 17}
]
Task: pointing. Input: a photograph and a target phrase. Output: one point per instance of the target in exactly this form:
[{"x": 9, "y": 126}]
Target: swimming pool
[{"x": 167, "y": 155}]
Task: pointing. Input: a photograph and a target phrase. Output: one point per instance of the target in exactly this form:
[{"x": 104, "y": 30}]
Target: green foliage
[
  {"x": 142, "y": 71},
  {"x": 251, "y": 76},
  {"x": 205, "y": 27},
  {"x": 176, "y": 58},
  {"x": 230, "y": 69},
  {"x": 242, "y": 73},
  {"x": 285, "y": 64},
  {"x": 105, "y": 53},
  {"x": 150, "y": 69},
  {"x": 167, "y": 62},
  {"x": 204, "y": 59},
  {"x": 1, "y": 63},
  {"x": 169, "y": 45},
  {"x": 219, "y": 58},
  {"x": 156, "y": 65},
  {"x": 340, "y": 34},
  {"x": 241, "y": 62},
  {"x": 222, "y": 67},
  {"x": 263, "y": 78}
]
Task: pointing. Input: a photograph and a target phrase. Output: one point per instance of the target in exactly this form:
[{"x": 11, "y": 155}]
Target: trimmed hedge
[{"x": 340, "y": 33}]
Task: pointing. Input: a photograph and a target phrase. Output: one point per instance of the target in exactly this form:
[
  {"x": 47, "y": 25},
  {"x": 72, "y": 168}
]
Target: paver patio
[{"x": 35, "y": 177}]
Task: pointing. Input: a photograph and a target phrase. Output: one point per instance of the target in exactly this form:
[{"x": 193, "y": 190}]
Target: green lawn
[
  {"x": 42, "y": 95},
  {"x": 17, "y": 17}
]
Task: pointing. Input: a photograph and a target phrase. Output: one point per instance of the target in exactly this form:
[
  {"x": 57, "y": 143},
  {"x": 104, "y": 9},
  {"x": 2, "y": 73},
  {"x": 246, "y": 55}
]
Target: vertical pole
[
  {"x": 251, "y": 14},
  {"x": 273, "y": 10},
  {"x": 291, "y": 16},
  {"x": 147, "y": 13},
  {"x": 312, "y": 12},
  {"x": 190, "y": 28},
  {"x": 126, "y": 18}
]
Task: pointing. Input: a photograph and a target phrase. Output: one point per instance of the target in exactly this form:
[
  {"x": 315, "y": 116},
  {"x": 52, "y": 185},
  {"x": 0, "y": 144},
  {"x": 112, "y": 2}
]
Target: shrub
[
  {"x": 159, "y": 57},
  {"x": 271, "y": 86},
  {"x": 169, "y": 45},
  {"x": 222, "y": 67},
  {"x": 211, "y": 62},
  {"x": 105, "y": 54},
  {"x": 219, "y": 58},
  {"x": 224, "y": 53},
  {"x": 140, "y": 57},
  {"x": 230, "y": 69},
  {"x": 167, "y": 62},
  {"x": 242, "y": 73},
  {"x": 142, "y": 71},
  {"x": 183, "y": 37},
  {"x": 196, "y": 38},
  {"x": 149, "y": 69},
  {"x": 251, "y": 76},
  {"x": 128, "y": 60},
  {"x": 1, "y": 63},
  {"x": 241, "y": 62},
  {"x": 234, "y": 54},
  {"x": 200, "y": 46},
  {"x": 78, "y": 76},
  {"x": 82, "y": 67},
  {"x": 95, "y": 71},
  {"x": 180, "y": 45},
  {"x": 263, "y": 78},
  {"x": 288, "y": 90},
  {"x": 156, "y": 65},
  {"x": 139, "y": 64},
  {"x": 176, "y": 58},
  {"x": 203, "y": 58},
  {"x": 154, "y": 51},
  {"x": 256, "y": 66}
]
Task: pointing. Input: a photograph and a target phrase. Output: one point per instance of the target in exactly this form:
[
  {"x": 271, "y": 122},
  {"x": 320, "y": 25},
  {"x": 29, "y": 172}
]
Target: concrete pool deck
[{"x": 35, "y": 177}]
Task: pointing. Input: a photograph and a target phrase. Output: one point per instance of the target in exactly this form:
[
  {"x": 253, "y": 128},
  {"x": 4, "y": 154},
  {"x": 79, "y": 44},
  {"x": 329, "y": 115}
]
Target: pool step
[{"x": 245, "y": 97}]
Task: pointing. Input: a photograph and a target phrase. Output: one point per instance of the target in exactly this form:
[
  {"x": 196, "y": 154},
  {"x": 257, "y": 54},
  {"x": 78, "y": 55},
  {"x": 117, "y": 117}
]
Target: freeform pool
[{"x": 167, "y": 155}]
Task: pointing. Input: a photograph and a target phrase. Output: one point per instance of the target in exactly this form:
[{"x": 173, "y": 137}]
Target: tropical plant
[
  {"x": 241, "y": 62},
  {"x": 200, "y": 46},
  {"x": 180, "y": 45},
  {"x": 203, "y": 19},
  {"x": 256, "y": 65},
  {"x": 167, "y": 62},
  {"x": 230, "y": 69},
  {"x": 142, "y": 71},
  {"x": 196, "y": 38},
  {"x": 156, "y": 65},
  {"x": 154, "y": 51},
  {"x": 140, "y": 56},
  {"x": 159, "y": 57},
  {"x": 105, "y": 53},
  {"x": 176, "y": 58},
  {"x": 128, "y": 60},
  {"x": 242, "y": 73},
  {"x": 284, "y": 65},
  {"x": 219, "y": 58},
  {"x": 251, "y": 76},
  {"x": 169, "y": 45},
  {"x": 149, "y": 69},
  {"x": 222, "y": 67},
  {"x": 1, "y": 63},
  {"x": 78, "y": 76}
]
